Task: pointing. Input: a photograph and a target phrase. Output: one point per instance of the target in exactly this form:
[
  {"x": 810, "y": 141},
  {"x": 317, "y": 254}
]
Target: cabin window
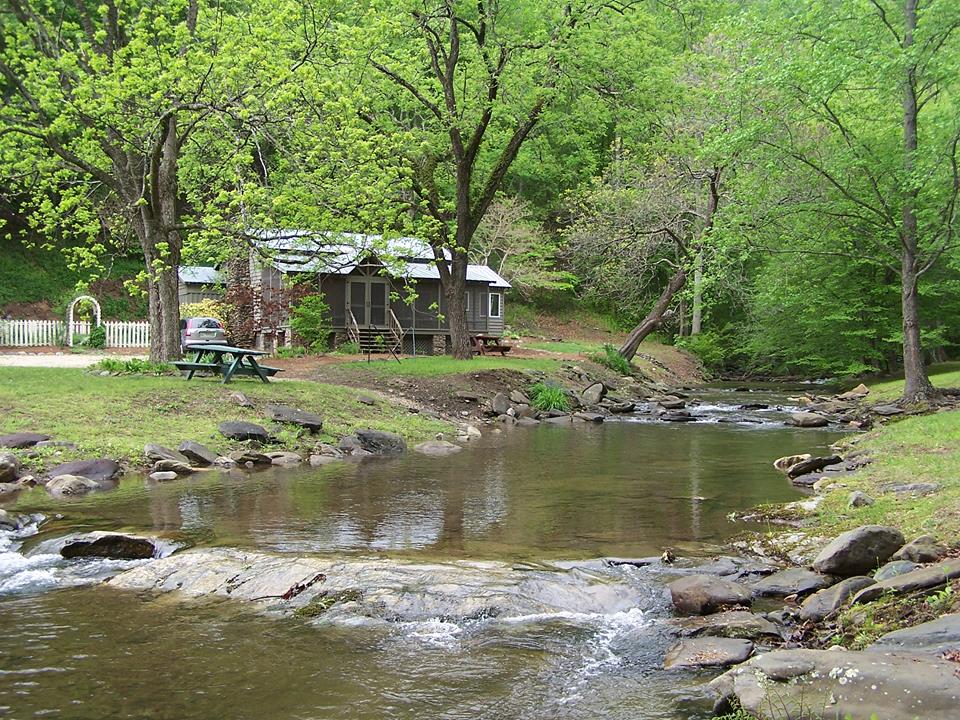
[
  {"x": 495, "y": 305},
  {"x": 466, "y": 301}
]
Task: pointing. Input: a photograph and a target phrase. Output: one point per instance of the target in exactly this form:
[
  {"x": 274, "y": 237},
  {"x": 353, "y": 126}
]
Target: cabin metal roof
[
  {"x": 199, "y": 275},
  {"x": 293, "y": 251}
]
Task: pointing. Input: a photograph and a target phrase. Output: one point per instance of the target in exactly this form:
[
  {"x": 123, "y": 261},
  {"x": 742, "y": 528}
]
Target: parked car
[{"x": 201, "y": 331}]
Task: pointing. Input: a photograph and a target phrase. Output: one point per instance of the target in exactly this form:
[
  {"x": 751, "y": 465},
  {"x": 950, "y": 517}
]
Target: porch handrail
[
  {"x": 396, "y": 330},
  {"x": 353, "y": 329}
]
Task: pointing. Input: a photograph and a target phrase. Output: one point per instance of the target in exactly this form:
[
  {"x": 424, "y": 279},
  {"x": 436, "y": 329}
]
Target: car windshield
[{"x": 206, "y": 323}]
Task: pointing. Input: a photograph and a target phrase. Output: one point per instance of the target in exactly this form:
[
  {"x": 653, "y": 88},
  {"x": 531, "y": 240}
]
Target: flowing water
[{"x": 546, "y": 499}]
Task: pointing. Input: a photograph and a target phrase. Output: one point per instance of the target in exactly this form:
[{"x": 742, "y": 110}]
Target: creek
[{"x": 576, "y": 638}]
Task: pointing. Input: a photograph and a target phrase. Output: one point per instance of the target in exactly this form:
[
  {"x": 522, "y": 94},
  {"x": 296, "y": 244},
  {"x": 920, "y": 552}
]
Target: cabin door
[{"x": 369, "y": 301}]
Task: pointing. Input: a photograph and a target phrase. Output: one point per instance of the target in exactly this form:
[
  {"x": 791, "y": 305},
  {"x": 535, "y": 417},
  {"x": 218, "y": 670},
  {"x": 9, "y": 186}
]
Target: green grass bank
[{"x": 116, "y": 416}]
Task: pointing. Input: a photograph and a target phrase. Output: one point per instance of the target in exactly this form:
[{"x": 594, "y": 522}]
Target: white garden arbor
[{"x": 73, "y": 303}]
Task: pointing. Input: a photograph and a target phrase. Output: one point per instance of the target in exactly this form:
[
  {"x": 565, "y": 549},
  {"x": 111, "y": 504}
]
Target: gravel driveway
[{"x": 54, "y": 360}]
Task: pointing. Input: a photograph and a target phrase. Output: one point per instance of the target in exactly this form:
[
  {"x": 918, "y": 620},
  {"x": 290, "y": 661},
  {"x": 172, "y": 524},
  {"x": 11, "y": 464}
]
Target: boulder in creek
[
  {"x": 110, "y": 545},
  {"x": 196, "y": 453},
  {"x": 785, "y": 463},
  {"x": 787, "y": 684},
  {"x": 924, "y": 549},
  {"x": 283, "y": 458},
  {"x": 858, "y": 393},
  {"x": 807, "y": 420},
  {"x": 292, "y": 416},
  {"x": 593, "y": 394},
  {"x": 678, "y": 416},
  {"x": 621, "y": 408},
  {"x": 351, "y": 445},
  {"x": 859, "y": 551},
  {"x": 174, "y": 466},
  {"x": 812, "y": 465},
  {"x": 499, "y": 404},
  {"x": 20, "y": 440},
  {"x": 527, "y": 421},
  {"x": 827, "y": 601},
  {"x": 672, "y": 403},
  {"x": 243, "y": 430},
  {"x": 163, "y": 475},
  {"x": 159, "y": 452},
  {"x": 321, "y": 460},
  {"x": 894, "y": 568},
  {"x": 923, "y": 578},
  {"x": 518, "y": 398},
  {"x": 705, "y": 594},
  {"x": 730, "y": 624},
  {"x": 243, "y": 457},
  {"x": 68, "y": 485},
  {"x": 379, "y": 442},
  {"x": 934, "y": 637},
  {"x": 792, "y": 581},
  {"x": 101, "y": 471},
  {"x": 437, "y": 448},
  {"x": 707, "y": 652},
  {"x": 9, "y": 467},
  {"x": 589, "y": 416}
]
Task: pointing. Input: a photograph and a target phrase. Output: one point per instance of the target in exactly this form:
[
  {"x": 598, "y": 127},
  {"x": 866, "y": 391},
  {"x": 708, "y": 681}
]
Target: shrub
[
  {"x": 133, "y": 366},
  {"x": 707, "y": 346},
  {"x": 205, "y": 308},
  {"x": 97, "y": 338},
  {"x": 289, "y": 352},
  {"x": 310, "y": 320},
  {"x": 611, "y": 358},
  {"x": 348, "y": 348},
  {"x": 548, "y": 396}
]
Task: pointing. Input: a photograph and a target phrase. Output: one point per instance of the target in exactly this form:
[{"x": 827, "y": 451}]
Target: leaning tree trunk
[
  {"x": 655, "y": 317},
  {"x": 917, "y": 386}
]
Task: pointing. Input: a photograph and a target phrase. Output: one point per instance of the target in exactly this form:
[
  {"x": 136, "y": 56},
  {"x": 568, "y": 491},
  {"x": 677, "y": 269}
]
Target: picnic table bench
[
  {"x": 483, "y": 344},
  {"x": 228, "y": 361}
]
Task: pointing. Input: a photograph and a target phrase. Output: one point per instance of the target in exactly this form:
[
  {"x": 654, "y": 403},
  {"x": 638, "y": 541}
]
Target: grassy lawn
[
  {"x": 437, "y": 365},
  {"x": 942, "y": 375},
  {"x": 565, "y": 346},
  {"x": 116, "y": 416},
  {"x": 917, "y": 449}
]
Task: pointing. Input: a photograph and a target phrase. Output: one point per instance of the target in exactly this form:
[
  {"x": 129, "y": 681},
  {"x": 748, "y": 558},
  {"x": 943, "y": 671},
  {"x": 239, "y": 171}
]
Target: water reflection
[{"x": 585, "y": 491}]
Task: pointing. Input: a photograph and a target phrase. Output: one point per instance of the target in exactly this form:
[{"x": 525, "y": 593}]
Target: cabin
[
  {"x": 382, "y": 295},
  {"x": 198, "y": 283}
]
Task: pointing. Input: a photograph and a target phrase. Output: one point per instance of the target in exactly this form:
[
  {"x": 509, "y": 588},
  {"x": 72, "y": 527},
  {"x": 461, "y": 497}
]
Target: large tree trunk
[
  {"x": 917, "y": 386},
  {"x": 455, "y": 291},
  {"x": 655, "y": 317},
  {"x": 696, "y": 323},
  {"x": 167, "y": 273}
]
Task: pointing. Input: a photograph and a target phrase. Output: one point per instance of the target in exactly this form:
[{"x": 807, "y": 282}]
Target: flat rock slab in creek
[
  {"x": 243, "y": 430},
  {"x": 704, "y": 594},
  {"x": 707, "y": 652},
  {"x": 293, "y": 416},
  {"x": 731, "y": 624},
  {"x": 934, "y": 637},
  {"x": 437, "y": 448},
  {"x": 384, "y": 589},
  {"x": 925, "y": 577},
  {"x": 17, "y": 441},
  {"x": 380, "y": 442},
  {"x": 100, "y": 471},
  {"x": 792, "y": 581},
  {"x": 854, "y": 685},
  {"x": 155, "y": 453},
  {"x": 196, "y": 453},
  {"x": 807, "y": 420}
]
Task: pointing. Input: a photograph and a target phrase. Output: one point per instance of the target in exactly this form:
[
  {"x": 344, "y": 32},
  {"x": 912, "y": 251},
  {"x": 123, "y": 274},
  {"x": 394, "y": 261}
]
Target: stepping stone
[
  {"x": 284, "y": 414},
  {"x": 922, "y": 579},
  {"x": 704, "y": 594},
  {"x": 707, "y": 652},
  {"x": 18, "y": 441},
  {"x": 243, "y": 430},
  {"x": 827, "y": 601},
  {"x": 807, "y": 420},
  {"x": 197, "y": 453}
]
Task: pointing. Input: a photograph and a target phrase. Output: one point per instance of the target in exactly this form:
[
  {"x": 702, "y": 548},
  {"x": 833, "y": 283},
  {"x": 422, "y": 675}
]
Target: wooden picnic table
[
  {"x": 482, "y": 344},
  {"x": 228, "y": 361}
]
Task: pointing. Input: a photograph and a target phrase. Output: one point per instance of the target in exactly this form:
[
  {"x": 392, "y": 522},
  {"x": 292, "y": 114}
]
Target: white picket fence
[{"x": 46, "y": 333}]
